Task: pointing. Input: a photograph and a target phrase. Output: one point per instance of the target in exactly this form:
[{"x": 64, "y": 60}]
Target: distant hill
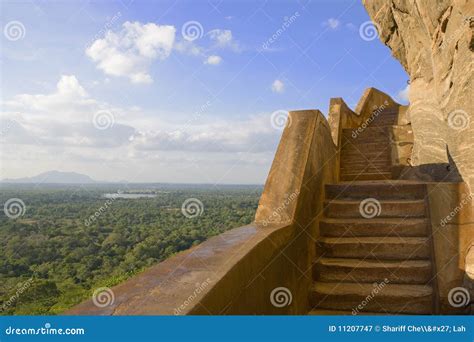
[{"x": 54, "y": 177}]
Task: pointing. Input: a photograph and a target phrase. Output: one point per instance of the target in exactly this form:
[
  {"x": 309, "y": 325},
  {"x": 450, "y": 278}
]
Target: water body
[{"x": 129, "y": 196}]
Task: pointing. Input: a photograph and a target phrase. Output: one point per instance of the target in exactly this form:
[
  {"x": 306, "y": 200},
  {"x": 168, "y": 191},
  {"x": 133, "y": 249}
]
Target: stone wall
[{"x": 452, "y": 224}]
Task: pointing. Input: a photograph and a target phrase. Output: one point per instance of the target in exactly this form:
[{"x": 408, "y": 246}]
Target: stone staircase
[
  {"x": 374, "y": 254},
  {"x": 367, "y": 155}
]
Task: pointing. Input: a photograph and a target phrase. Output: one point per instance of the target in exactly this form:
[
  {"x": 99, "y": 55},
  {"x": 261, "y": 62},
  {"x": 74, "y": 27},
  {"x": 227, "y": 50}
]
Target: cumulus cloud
[
  {"x": 224, "y": 39},
  {"x": 66, "y": 117},
  {"x": 130, "y": 52},
  {"x": 278, "y": 86},
  {"x": 55, "y": 130},
  {"x": 63, "y": 117},
  {"x": 213, "y": 60},
  {"x": 189, "y": 48},
  {"x": 68, "y": 98},
  {"x": 332, "y": 23},
  {"x": 253, "y": 135}
]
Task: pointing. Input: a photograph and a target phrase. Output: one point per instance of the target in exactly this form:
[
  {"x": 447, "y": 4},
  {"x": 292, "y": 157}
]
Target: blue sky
[{"x": 175, "y": 91}]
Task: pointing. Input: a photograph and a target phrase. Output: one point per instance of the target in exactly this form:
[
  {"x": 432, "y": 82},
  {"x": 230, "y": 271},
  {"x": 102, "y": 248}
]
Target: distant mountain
[{"x": 54, "y": 177}]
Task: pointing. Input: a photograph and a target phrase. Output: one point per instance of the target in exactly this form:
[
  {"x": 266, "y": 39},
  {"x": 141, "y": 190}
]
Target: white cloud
[
  {"x": 252, "y": 135},
  {"x": 332, "y": 23},
  {"x": 55, "y": 130},
  {"x": 213, "y": 60},
  {"x": 68, "y": 98},
  {"x": 403, "y": 94},
  {"x": 220, "y": 39},
  {"x": 278, "y": 86},
  {"x": 224, "y": 39},
  {"x": 63, "y": 117},
  {"x": 189, "y": 48},
  {"x": 130, "y": 51}
]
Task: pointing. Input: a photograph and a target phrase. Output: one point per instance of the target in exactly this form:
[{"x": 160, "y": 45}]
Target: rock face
[{"x": 434, "y": 41}]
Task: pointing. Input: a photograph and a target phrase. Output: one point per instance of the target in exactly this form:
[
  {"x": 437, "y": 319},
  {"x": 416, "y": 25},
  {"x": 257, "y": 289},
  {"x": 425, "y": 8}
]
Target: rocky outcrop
[{"x": 434, "y": 41}]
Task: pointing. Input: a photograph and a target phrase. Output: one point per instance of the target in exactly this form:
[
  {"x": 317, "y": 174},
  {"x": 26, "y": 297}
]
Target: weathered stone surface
[
  {"x": 452, "y": 225},
  {"x": 401, "y": 138},
  {"x": 433, "y": 40},
  {"x": 305, "y": 160}
]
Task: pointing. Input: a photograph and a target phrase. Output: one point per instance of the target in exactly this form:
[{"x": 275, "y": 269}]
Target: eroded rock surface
[{"x": 434, "y": 41}]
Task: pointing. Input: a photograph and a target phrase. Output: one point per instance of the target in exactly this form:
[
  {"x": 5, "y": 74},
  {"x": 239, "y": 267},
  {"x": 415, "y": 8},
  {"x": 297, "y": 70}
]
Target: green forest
[{"x": 70, "y": 240}]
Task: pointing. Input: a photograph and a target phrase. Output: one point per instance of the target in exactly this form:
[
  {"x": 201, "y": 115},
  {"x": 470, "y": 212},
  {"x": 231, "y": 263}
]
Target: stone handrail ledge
[
  {"x": 200, "y": 280},
  {"x": 341, "y": 116}
]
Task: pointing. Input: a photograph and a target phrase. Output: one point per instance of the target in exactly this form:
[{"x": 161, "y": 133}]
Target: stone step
[
  {"x": 365, "y": 146},
  {"x": 385, "y": 298},
  {"x": 380, "y": 191},
  {"x": 349, "y": 164},
  {"x": 365, "y": 150},
  {"x": 366, "y": 169},
  {"x": 369, "y": 271},
  {"x": 350, "y": 227},
  {"x": 364, "y": 140},
  {"x": 386, "y": 117},
  {"x": 371, "y": 208},
  {"x": 362, "y": 159},
  {"x": 384, "y": 121},
  {"x": 366, "y": 155},
  {"x": 362, "y": 149},
  {"x": 390, "y": 248},
  {"x": 369, "y": 132},
  {"x": 366, "y": 176}
]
